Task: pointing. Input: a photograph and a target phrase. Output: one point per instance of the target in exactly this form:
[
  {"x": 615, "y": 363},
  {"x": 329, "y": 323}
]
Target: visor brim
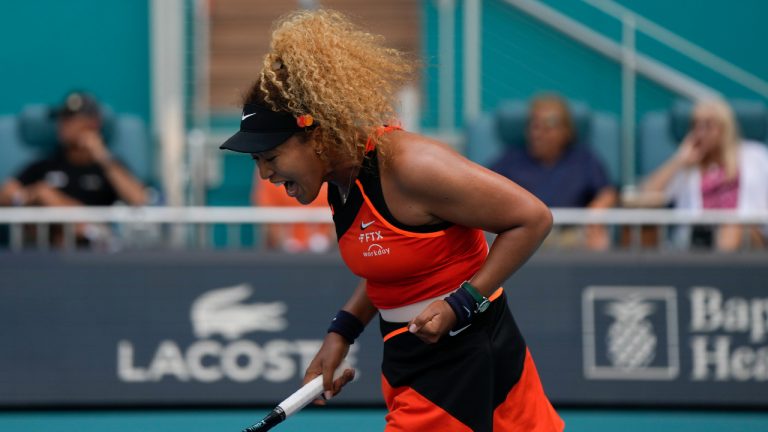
[{"x": 255, "y": 142}]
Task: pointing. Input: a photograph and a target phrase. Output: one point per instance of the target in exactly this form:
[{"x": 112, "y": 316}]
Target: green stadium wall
[
  {"x": 521, "y": 56},
  {"x": 53, "y": 46}
]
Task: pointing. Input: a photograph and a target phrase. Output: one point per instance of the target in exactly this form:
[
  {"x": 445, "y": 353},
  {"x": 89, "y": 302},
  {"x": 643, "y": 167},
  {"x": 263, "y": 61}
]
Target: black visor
[{"x": 261, "y": 129}]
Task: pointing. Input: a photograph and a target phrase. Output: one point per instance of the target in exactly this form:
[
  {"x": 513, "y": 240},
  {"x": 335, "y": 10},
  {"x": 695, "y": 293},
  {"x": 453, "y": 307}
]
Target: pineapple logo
[
  {"x": 630, "y": 333},
  {"x": 631, "y": 340}
]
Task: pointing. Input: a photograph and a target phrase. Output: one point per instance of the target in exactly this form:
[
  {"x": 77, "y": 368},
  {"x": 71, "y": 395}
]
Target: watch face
[{"x": 483, "y": 306}]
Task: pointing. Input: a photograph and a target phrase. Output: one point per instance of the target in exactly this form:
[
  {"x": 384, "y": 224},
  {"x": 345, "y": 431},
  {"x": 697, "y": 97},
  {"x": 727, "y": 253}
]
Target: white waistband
[{"x": 409, "y": 312}]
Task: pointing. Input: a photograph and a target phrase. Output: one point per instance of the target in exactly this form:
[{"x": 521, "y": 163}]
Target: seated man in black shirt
[{"x": 80, "y": 172}]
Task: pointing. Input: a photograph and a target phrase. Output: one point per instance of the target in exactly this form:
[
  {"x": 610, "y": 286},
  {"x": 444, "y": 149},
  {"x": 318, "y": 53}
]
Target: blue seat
[
  {"x": 661, "y": 131},
  {"x": 32, "y": 134},
  {"x": 489, "y": 135}
]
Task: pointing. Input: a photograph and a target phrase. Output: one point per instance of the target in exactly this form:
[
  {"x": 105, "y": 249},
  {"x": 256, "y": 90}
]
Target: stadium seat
[
  {"x": 487, "y": 137},
  {"x": 32, "y": 133},
  {"x": 661, "y": 131}
]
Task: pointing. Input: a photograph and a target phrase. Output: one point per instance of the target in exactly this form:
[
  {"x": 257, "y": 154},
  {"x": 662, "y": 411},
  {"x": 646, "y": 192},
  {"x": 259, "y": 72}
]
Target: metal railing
[
  {"x": 633, "y": 62},
  {"x": 683, "y": 46},
  {"x": 146, "y": 227},
  {"x": 159, "y": 227}
]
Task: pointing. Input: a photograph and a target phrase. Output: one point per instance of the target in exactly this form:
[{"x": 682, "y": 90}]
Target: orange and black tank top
[{"x": 402, "y": 264}]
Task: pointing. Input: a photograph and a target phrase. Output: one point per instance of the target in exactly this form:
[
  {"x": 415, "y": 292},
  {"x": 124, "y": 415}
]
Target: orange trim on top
[
  {"x": 394, "y": 333},
  {"x": 496, "y": 294},
  {"x": 389, "y": 225},
  {"x": 381, "y": 130}
]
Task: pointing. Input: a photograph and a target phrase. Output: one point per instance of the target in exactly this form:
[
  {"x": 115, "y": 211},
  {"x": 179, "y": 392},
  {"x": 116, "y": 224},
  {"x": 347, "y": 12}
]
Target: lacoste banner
[
  {"x": 225, "y": 329},
  {"x": 170, "y": 328}
]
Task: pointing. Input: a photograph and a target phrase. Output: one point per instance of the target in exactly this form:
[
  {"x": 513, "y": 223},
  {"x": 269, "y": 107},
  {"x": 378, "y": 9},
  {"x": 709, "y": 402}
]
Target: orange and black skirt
[{"x": 482, "y": 379}]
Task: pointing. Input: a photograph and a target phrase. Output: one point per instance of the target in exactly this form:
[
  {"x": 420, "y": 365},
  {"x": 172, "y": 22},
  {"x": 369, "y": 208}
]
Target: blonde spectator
[{"x": 714, "y": 169}]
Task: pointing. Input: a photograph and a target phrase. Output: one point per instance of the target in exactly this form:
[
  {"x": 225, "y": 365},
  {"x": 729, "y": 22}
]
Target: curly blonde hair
[
  {"x": 322, "y": 64},
  {"x": 731, "y": 138}
]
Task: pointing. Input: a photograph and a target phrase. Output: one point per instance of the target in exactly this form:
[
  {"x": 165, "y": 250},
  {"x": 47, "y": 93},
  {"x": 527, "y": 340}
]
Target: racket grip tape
[{"x": 271, "y": 420}]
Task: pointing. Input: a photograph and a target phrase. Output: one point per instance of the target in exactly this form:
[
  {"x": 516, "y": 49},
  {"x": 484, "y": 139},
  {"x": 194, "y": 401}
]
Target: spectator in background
[
  {"x": 557, "y": 169},
  {"x": 80, "y": 172},
  {"x": 297, "y": 237},
  {"x": 714, "y": 169}
]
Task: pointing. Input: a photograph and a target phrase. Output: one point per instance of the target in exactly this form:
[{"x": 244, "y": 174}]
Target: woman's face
[
  {"x": 295, "y": 165},
  {"x": 706, "y": 129}
]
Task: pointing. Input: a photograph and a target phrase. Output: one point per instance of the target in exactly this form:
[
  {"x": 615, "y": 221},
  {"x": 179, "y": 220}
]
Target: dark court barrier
[{"x": 240, "y": 328}]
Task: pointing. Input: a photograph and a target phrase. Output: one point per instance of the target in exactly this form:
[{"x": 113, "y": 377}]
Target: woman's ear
[{"x": 313, "y": 138}]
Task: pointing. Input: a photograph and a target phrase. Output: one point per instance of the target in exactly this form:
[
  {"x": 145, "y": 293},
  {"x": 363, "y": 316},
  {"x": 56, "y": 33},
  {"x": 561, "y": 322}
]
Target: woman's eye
[{"x": 266, "y": 159}]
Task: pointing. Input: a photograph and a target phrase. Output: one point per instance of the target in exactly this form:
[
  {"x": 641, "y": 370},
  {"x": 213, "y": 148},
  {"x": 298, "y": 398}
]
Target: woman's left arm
[{"x": 448, "y": 187}]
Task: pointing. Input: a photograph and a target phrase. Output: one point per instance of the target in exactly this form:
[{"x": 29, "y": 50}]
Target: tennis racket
[{"x": 295, "y": 402}]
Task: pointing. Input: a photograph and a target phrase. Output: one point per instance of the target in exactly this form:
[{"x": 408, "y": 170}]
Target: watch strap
[{"x": 474, "y": 292}]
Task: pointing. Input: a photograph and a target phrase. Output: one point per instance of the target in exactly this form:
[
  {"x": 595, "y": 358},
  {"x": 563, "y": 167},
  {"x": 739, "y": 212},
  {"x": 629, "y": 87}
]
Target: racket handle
[
  {"x": 309, "y": 392},
  {"x": 271, "y": 420},
  {"x": 295, "y": 402}
]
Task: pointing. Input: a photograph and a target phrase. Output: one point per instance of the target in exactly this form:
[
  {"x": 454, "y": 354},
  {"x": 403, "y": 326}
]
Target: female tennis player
[{"x": 410, "y": 215}]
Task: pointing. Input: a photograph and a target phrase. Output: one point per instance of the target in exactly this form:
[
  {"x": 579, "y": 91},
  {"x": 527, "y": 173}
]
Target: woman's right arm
[
  {"x": 360, "y": 305},
  {"x": 335, "y": 347},
  {"x": 687, "y": 155}
]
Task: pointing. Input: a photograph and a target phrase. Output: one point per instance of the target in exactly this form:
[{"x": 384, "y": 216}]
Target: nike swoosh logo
[
  {"x": 364, "y": 225},
  {"x": 469, "y": 313},
  {"x": 454, "y": 333},
  {"x": 245, "y": 116}
]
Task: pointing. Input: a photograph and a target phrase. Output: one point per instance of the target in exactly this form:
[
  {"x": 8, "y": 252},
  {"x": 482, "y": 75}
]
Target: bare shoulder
[
  {"x": 415, "y": 171},
  {"x": 426, "y": 180},
  {"x": 414, "y": 160}
]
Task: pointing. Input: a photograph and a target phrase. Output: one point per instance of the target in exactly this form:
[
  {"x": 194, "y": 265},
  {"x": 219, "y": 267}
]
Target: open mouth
[{"x": 291, "y": 188}]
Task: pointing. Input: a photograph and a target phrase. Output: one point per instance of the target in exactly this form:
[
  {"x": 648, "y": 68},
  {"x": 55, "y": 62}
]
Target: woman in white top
[{"x": 714, "y": 169}]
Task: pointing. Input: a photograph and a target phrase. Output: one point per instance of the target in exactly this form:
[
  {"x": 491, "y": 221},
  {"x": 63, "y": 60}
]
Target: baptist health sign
[
  {"x": 633, "y": 332},
  {"x": 630, "y": 333}
]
